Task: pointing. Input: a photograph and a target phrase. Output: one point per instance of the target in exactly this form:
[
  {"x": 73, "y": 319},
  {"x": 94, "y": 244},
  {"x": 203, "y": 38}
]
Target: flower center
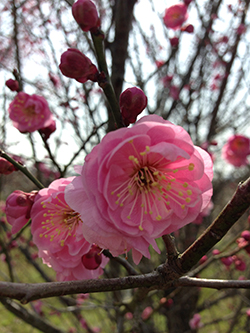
[
  {"x": 60, "y": 221},
  {"x": 154, "y": 187}
]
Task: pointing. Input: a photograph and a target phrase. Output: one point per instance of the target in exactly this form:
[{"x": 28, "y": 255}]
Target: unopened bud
[
  {"x": 74, "y": 64},
  {"x": 13, "y": 85},
  {"x": 132, "y": 102},
  {"x": 85, "y": 14}
]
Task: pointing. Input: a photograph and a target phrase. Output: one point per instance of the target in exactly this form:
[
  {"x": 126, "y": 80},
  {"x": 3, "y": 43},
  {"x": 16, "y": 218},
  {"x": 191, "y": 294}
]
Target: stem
[
  {"x": 22, "y": 168},
  {"x": 104, "y": 79}
]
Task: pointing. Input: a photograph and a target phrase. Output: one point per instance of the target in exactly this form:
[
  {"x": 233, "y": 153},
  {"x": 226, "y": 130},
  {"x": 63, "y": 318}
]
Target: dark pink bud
[
  {"x": 187, "y": 2},
  {"x": 241, "y": 29},
  {"x": 132, "y": 102},
  {"x": 188, "y": 28},
  {"x": 85, "y": 14},
  {"x": 47, "y": 131},
  {"x": 93, "y": 259},
  {"x": 6, "y": 167},
  {"x": 227, "y": 261},
  {"x": 174, "y": 41},
  {"x": 13, "y": 85},
  {"x": 174, "y": 92},
  {"x": 203, "y": 259},
  {"x": 246, "y": 235},
  {"x": 215, "y": 252},
  {"x": 76, "y": 65},
  {"x": 240, "y": 265},
  {"x": 18, "y": 206}
]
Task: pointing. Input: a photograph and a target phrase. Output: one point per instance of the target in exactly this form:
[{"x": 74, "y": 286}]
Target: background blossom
[
  {"x": 236, "y": 150},
  {"x": 29, "y": 112},
  {"x": 140, "y": 183}
]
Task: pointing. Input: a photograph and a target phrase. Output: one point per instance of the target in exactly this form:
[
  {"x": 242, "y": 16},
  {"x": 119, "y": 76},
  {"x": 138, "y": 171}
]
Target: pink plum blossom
[
  {"x": 140, "y": 183},
  {"x": 57, "y": 233},
  {"x": 236, "y": 150},
  {"x": 18, "y": 207},
  {"x": 195, "y": 322},
  {"x": 29, "y": 112},
  {"x": 175, "y": 16}
]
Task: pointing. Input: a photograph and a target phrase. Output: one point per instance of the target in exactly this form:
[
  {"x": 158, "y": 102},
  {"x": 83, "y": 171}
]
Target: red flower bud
[
  {"x": 188, "y": 28},
  {"x": 13, "y": 85},
  {"x": 132, "y": 102},
  {"x": 174, "y": 41},
  {"x": 47, "y": 131},
  {"x": 76, "y": 65},
  {"x": 85, "y": 14},
  {"x": 6, "y": 167},
  {"x": 93, "y": 259}
]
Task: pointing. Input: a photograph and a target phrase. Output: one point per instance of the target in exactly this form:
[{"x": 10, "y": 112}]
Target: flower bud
[
  {"x": 6, "y": 167},
  {"x": 93, "y": 259},
  {"x": 85, "y": 14},
  {"x": 48, "y": 130},
  {"x": 74, "y": 64},
  {"x": 174, "y": 41},
  {"x": 188, "y": 28},
  {"x": 13, "y": 85},
  {"x": 132, "y": 102},
  {"x": 18, "y": 207}
]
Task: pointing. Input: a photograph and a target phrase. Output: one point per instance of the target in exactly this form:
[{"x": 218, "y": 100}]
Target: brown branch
[
  {"x": 212, "y": 235},
  {"x": 186, "y": 281}
]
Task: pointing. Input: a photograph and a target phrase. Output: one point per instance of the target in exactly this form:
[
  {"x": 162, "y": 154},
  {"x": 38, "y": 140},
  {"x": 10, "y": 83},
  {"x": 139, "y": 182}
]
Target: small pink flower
[
  {"x": 85, "y": 14},
  {"x": 29, "y": 112},
  {"x": 195, "y": 322},
  {"x": 146, "y": 313},
  {"x": 174, "y": 92},
  {"x": 175, "y": 16},
  {"x": 248, "y": 312},
  {"x": 74, "y": 64},
  {"x": 140, "y": 183},
  {"x": 227, "y": 261},
  {"x": 18, "y": 207},
  {"x": 246, "y": 235},
  {"x": 132, "y": 102},
  {"x": 13, "y": 85},
  {"x": 159, "y": 63},
  {"x": 56, "y": 231},
  {"x": 166, "y": 80},
  {"x": 236, "y": 150},
  {"x": 202, "y": 260},
  {"x": 239, "y": 263},
  {"x": 241, "y": 29},
  {"x": 215, "y": 252}
]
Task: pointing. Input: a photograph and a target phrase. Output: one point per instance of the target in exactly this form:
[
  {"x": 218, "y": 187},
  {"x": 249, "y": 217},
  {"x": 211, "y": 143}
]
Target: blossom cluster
[{"x": 138, "y": 184}]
